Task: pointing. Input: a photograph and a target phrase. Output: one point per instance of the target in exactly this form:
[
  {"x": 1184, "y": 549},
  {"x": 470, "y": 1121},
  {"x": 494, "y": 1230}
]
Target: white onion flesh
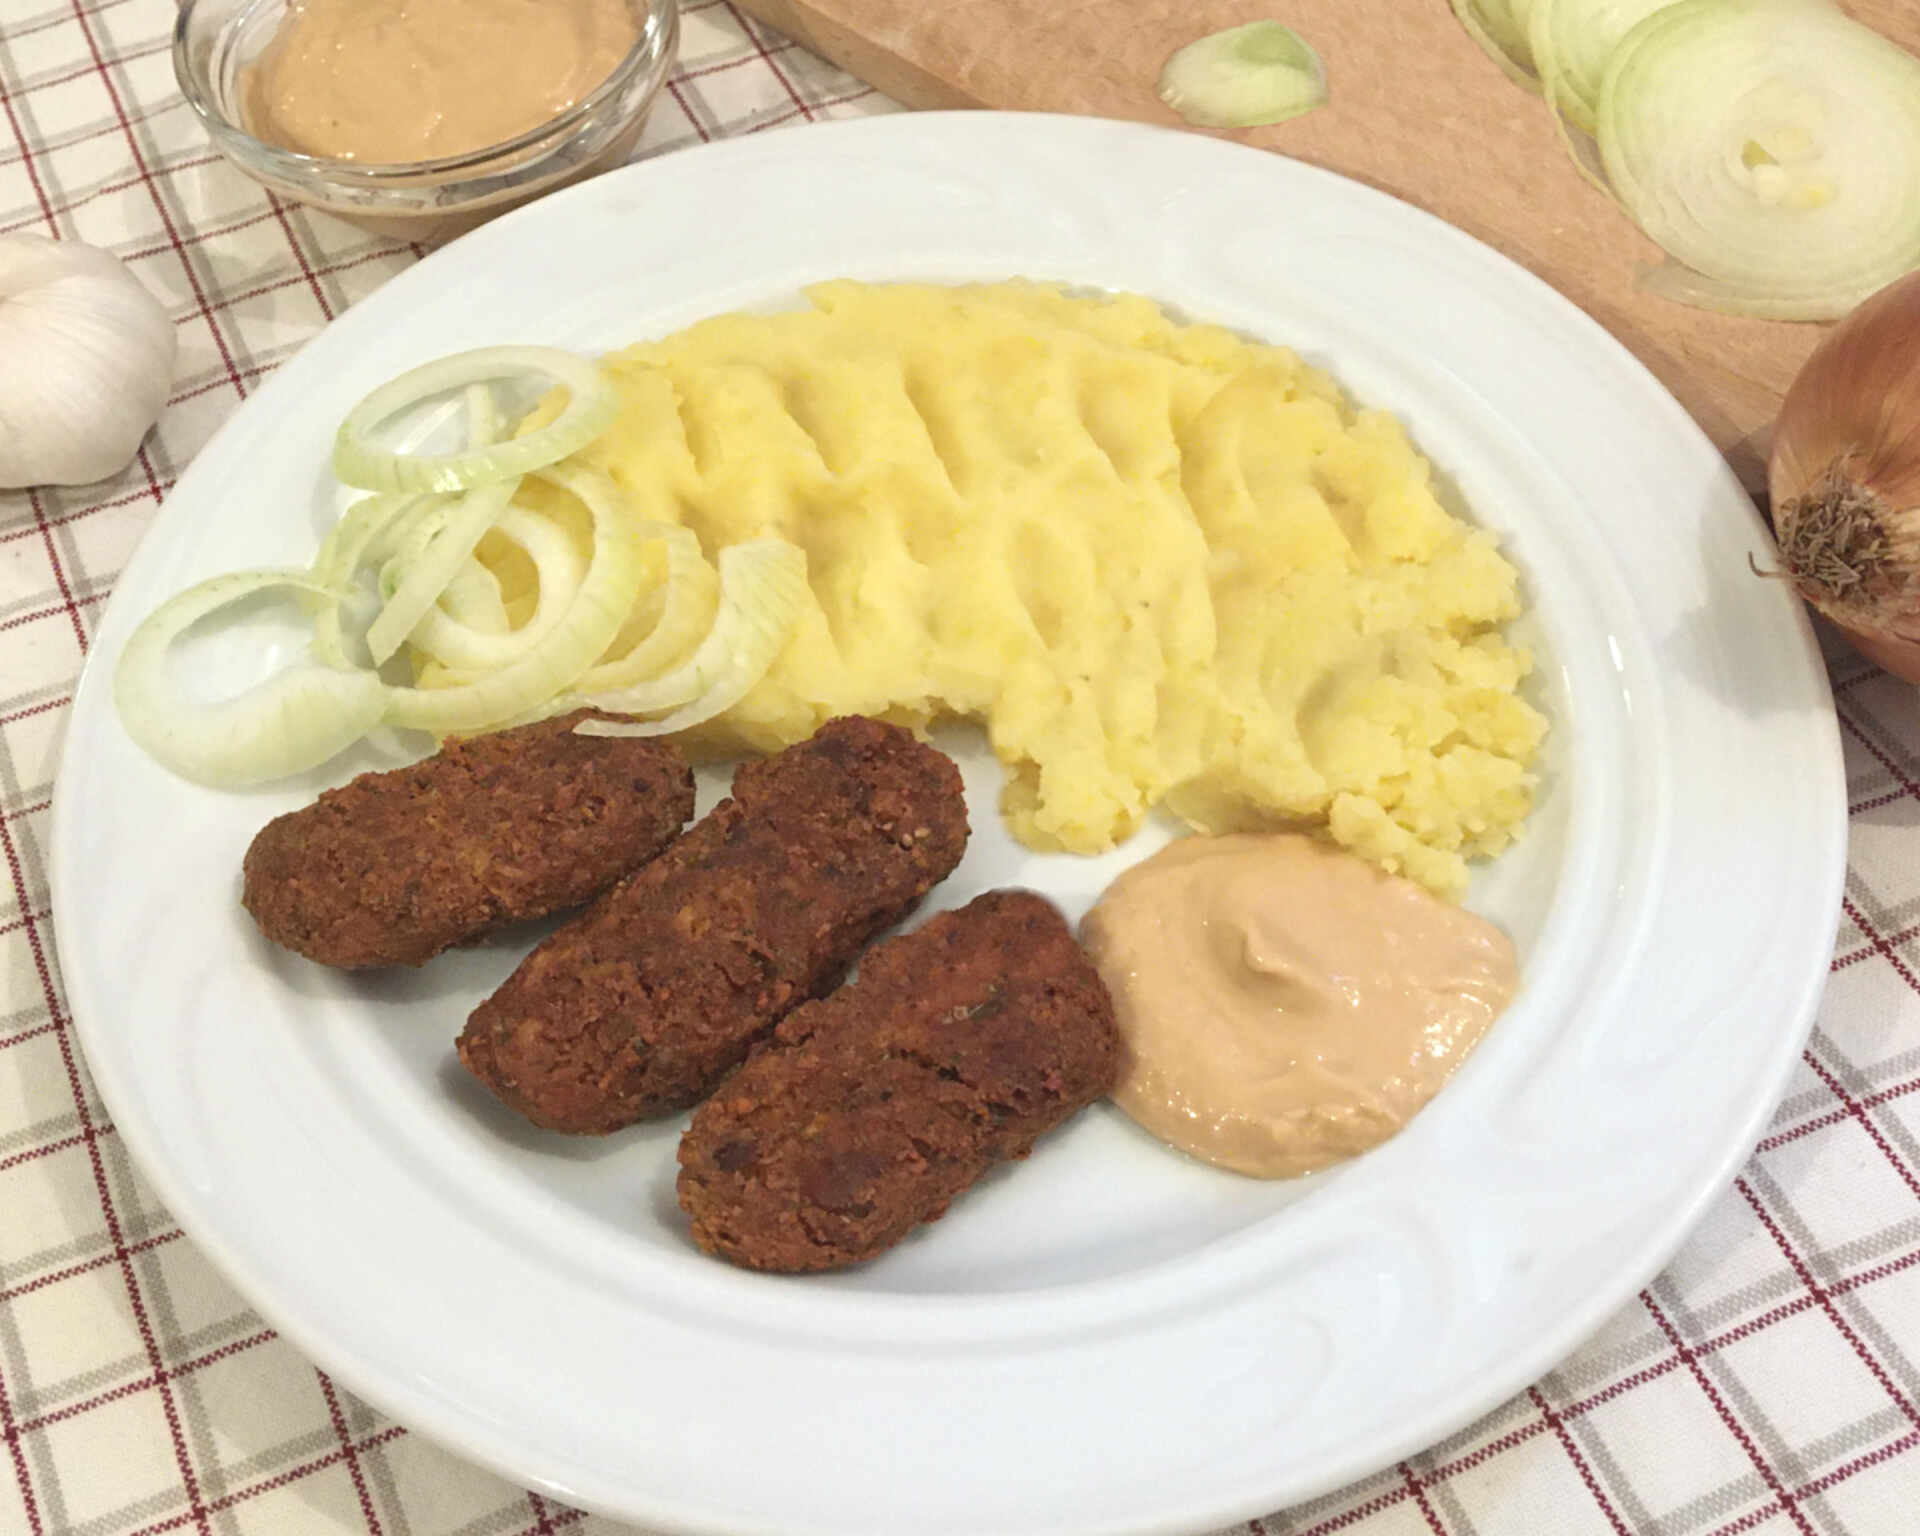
[
  {"x": 763, "y": 591},
  {"x": 473, "y": 600},
  {"x": 688, "y": 612},
  {"x": 592, "y": 618},
  {"x": 404, "y": 542},
  {"x": 484, "y": 427},
  {"x": 590, "y": 409},
  {"x": 1244, "y": 77},
  {"x": 425, "y": 577},
  {"x": 362, "y": 528},
  {"x": 1572, "y": 40},
  {"x": 347, "y": 541},
  {"x": 1501, "y": 31},
  {"x": 469, "y": 651},
  {"x": 1771, "y": 147},
  {"x": 693, "y": 641},
  {"x": 293, "y": 721}
]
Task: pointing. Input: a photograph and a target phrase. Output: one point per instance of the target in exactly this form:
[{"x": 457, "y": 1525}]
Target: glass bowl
[{"x": 214, "y": 41}]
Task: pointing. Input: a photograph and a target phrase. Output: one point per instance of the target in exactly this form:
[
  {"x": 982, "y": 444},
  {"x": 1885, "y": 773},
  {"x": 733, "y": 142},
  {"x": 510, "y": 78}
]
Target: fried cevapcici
[
  {"x": 644, "y": 1001},
  {"x": 956, "y": 1048},
  {"x": 394, "y": 867}
]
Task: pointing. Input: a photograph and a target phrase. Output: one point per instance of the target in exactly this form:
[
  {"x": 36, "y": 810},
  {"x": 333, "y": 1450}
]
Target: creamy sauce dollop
[
  {"x": 395, "y": 81},
  {"x": 1284, "y": 1004}
]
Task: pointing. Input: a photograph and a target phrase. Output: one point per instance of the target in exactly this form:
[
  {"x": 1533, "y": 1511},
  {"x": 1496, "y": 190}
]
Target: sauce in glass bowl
[
  {"x": 387, "y": 82},
  {"x": 310, "y": 97}
]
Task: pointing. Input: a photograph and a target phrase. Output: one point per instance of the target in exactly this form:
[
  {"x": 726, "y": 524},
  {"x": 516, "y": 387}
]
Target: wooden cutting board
[{"x": 1416, "y": 109}]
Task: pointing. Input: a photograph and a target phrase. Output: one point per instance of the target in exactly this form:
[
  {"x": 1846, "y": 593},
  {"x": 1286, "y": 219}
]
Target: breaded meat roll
[
  {"x": 956, "y": 1048},
  {"x": 394, "y": 867},
  {"x": 643, "y": 1002}
]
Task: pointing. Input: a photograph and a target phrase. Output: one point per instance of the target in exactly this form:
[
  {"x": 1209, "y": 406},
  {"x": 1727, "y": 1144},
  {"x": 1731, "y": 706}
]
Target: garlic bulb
[
  {"x": 86, "y": 362},
  {"x": 1844, "y": 477}
]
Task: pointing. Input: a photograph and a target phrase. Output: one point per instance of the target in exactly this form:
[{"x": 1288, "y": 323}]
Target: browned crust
[
  {"x": 643, "y": 1002},
  {"x": 394, "y": 867},
  {"x": 957, "y": 1047}
]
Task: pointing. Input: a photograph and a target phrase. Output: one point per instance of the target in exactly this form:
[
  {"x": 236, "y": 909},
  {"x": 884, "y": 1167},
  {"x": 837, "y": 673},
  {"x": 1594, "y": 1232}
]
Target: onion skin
[
  {"x": 1888, "y": 652},
  {"x": 1844, "y": 478}
]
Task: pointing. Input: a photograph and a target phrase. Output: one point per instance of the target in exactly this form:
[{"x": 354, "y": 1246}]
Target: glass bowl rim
[{"x": 653, "y": 49}]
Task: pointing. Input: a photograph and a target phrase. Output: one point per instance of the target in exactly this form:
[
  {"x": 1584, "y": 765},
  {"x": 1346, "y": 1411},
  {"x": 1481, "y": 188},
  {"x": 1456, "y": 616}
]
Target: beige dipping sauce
[
  {"x": 394, "y": 81},
  {"x": 1284, "y": 1004}
]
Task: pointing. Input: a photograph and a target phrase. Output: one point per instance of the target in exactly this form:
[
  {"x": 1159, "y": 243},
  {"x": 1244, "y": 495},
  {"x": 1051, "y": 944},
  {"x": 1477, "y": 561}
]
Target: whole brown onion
[{"x": 1844, "y": 476}]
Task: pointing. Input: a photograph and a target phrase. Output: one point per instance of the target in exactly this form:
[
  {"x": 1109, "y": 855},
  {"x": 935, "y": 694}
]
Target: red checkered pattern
[{"x": 1768, "y": 1382}]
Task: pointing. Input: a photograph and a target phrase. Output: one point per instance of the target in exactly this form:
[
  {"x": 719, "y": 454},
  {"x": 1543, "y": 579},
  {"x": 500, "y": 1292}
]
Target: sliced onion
[
  {"x": 1572, "y": 117},
  {"x": 692, "y": 595},
  {"x": 1500, "y": 28},
  {"x": 349, "y": 544},
  {"x": 474, "y": 601},
  {"x": 406, "y": 534},
  {"x": 1576, "y": 134},
  {"x": 459, "y": 645},
  {"x": 484, "y": 427},
  {"x": 425, "y": 577},
  {"x": 591, "y": 407},
  {"x": 405, "y": 541},
  {"x": 763, "y": 591},
  {"x": 1571, "y": 43},
  {"x": 419, "y": 536},
  {"x": 1770, "y": 146},
  {"x": 1244, "y": 77},
  {"x": 590, "y": 622},
  {"x": 1681, "y": 285},
  {"x": 340, "y": 552},
  {"x": 293, "y": 721}
]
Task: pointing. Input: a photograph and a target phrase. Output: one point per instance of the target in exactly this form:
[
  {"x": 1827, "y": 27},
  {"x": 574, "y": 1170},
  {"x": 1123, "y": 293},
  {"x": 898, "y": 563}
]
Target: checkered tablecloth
[{"x": 1769, "y": 1381}]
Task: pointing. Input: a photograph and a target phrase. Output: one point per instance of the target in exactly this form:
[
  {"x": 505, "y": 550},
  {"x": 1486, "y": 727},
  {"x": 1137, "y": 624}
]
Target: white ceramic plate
[{"x": 1108, "y": 1338}]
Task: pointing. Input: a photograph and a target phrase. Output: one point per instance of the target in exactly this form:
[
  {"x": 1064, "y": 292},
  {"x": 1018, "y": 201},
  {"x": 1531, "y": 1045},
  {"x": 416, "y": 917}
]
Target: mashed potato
[{"x": 1160, "y": 563}]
